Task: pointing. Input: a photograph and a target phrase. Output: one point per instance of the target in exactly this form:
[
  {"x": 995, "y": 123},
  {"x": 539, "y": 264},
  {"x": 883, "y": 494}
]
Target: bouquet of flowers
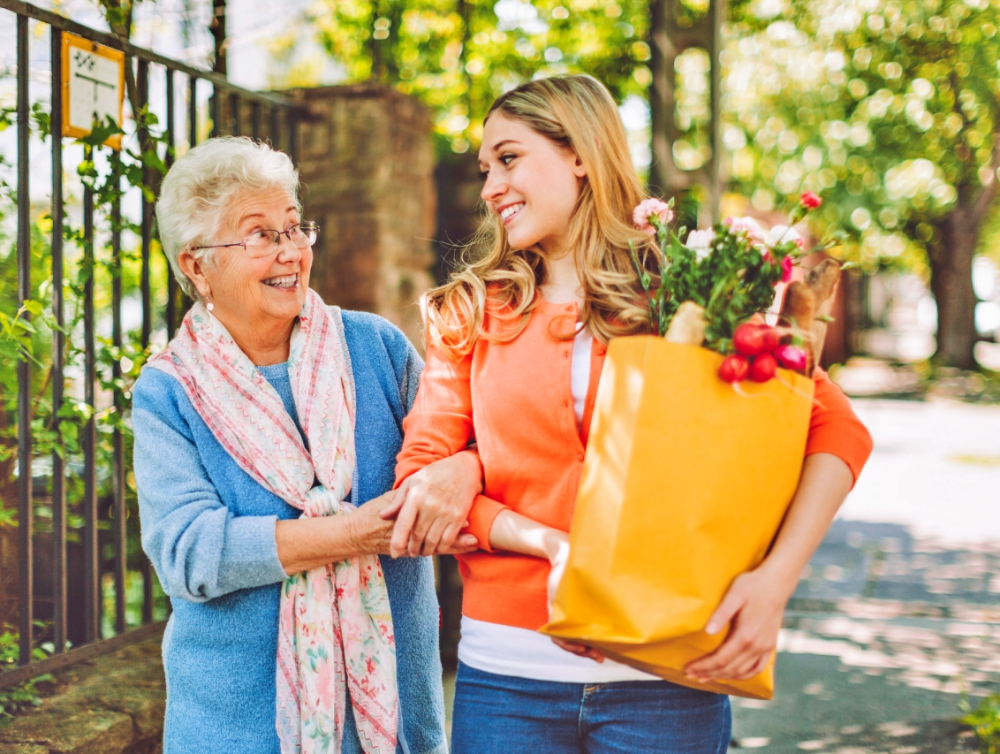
[
  {"x": 687, "y": 477},
  {"x": 714, "y": 286}
]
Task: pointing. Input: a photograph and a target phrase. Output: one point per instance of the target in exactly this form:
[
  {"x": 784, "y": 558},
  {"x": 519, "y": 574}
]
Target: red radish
[
  {"x": 751, "y": 339},
  {"x": 771, "y": 338},
  {"x": 792, "y": 357},
  {"x": 734, "y": 369},
  {"x": 763, "y": 368}
]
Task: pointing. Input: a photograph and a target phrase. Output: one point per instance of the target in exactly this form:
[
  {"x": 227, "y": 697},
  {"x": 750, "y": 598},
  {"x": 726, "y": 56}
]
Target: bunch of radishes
[{"x": 759, "y": 353}]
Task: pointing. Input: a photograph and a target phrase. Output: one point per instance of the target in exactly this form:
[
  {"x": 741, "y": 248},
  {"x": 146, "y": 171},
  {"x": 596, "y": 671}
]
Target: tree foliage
[
  {"x": 891, "y": 109},
  {"x": 457, "y": 56}
]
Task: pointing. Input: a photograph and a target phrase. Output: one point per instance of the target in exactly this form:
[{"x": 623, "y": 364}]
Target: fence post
[
  {"x": 25, "y": 523},
  {"x": 147, "y": 302},
  {"x": 91, "y": 571},
  {"x": 172, "y": 287},
  {"x": 117, "y": 441},
  {"x": 58, "y": 355}
]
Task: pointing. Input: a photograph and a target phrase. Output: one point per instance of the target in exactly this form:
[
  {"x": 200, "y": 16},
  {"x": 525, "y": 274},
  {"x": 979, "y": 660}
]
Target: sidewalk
[{"x": 898, "y": 613}]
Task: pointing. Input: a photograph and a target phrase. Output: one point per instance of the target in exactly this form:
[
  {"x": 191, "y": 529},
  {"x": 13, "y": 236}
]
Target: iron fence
[{"x": 232, "y": 110}]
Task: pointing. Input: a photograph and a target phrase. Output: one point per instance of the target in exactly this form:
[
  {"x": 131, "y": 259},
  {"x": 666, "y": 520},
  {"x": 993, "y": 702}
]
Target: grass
[{"x": 985, "y": 723}]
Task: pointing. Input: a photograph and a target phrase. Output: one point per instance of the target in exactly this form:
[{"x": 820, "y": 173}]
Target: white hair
[{"x": 198, "y": 188}]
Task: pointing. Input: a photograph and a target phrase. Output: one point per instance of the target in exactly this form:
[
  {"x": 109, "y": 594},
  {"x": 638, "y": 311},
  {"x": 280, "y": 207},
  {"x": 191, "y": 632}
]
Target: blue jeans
[{"x": 498, "y": 714}]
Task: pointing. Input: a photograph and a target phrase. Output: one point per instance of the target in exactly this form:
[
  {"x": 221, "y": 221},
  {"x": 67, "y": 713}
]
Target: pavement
[{"x": 896, "y": 619}]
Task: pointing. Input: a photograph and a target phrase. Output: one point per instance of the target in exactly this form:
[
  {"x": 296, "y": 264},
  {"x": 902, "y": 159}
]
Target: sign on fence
[{"x": 93, "y": 86}]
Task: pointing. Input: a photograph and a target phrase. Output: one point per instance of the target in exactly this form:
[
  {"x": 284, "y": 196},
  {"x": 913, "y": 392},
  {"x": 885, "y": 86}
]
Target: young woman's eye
[
  {"x": 483, "y": 175},
  {"x": 506, "y": 158}
]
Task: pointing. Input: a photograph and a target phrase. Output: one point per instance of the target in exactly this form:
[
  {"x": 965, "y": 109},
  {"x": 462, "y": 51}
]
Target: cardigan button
[{"x": 579, "y": 456}]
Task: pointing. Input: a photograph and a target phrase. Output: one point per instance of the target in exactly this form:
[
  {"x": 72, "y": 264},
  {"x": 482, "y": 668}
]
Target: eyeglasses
[{"x": 262, "y": 243}]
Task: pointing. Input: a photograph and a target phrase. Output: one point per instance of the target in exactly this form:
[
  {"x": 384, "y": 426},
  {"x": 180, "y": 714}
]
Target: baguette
[
  {"x": 797, "y": 312},
  {"x": 823, "y": 280},
  {"x": 688, "y": 325}
]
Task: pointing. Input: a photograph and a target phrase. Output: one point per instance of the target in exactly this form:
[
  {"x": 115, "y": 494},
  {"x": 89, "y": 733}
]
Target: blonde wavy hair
[{"x": 575, "y": 112}]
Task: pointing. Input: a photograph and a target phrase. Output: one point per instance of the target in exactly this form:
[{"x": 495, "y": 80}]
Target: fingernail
[{"x": 711, "y": 629}]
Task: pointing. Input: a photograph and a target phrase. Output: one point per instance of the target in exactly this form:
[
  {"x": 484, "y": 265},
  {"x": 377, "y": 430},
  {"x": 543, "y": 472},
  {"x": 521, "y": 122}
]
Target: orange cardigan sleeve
[
  {"x": 835, "y": 428},
  {"x": 439, "y": 425}
]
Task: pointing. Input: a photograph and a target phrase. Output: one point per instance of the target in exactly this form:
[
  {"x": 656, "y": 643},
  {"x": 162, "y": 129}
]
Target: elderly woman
[{"x": 267, "y": 418}]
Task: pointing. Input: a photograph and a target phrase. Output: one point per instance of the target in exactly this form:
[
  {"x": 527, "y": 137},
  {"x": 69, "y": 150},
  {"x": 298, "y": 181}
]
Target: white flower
[
  {"x": 782, "y": 234},
  {"x": 700, "y": 242},
  {"x": 748, "y": 225}
]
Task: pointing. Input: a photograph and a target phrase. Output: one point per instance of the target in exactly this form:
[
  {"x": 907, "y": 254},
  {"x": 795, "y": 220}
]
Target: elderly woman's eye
[{"x": 259, "y": 238}]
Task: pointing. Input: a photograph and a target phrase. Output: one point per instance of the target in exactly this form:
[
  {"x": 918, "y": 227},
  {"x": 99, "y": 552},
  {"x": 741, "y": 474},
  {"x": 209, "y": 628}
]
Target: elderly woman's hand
[
  {"x": 433, "y": 505},
  {"x": 307, "y": 543}
]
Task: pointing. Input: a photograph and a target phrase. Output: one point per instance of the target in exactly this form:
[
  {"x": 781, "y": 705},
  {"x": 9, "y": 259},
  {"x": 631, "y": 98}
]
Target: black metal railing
[{"x": 280, "y": 126}]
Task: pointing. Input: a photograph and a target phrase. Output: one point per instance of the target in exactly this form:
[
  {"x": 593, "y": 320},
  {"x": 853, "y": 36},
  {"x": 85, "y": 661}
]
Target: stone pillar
[
  {"x": 459, "y": 214},
  {"x": 366, "y": 162}
]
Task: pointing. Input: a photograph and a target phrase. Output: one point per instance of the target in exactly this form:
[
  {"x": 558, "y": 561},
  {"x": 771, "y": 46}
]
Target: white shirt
[{"x": 508, "y": 650}]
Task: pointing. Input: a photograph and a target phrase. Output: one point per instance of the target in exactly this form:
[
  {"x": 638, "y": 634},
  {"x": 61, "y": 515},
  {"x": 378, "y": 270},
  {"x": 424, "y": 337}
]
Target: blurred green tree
[
  {"x": 890, "y": 109},
  {"x": 457, "y": 56}
]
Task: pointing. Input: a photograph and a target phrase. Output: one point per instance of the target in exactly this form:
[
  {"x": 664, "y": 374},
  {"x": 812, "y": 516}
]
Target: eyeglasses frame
[{"x": 286, "y": 233}]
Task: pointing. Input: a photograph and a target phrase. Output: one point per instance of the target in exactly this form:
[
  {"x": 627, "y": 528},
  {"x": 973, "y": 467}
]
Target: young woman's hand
[
  {"x": 755, "y": 603},
  {"x": 753, "y": 608},
  {"x": 580, "y": 650},
  {"x": 432, "y": 506}
]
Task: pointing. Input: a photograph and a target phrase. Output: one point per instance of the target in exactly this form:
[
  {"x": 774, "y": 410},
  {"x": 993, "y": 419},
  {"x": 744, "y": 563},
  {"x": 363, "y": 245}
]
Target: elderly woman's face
[{"x": 251, "y": 291}]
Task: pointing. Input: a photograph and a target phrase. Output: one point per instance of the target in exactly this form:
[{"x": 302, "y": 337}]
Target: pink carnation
[
  {"x": 786, "y": 269},
  {"x": 791, "y": 357},
  {"x": 748, "y": 225},
  {"x": 809, "y": 200},
  {"x": 648, "y": 209}
]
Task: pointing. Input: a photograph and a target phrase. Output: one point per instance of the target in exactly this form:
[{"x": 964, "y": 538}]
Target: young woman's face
[{"x": 530, "y": 182}]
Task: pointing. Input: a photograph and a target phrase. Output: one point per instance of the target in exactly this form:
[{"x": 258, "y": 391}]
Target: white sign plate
[{"x": 93, "y": 78}]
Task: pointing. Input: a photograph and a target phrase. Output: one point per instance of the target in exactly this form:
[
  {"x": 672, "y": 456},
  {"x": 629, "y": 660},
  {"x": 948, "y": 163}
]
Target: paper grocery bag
[{"x": 685, "y": 484}]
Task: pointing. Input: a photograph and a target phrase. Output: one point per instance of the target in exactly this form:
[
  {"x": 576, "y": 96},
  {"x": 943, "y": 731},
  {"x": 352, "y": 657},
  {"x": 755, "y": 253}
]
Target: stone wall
[
  {"x": 459, "y": 211},
  {"x": 366, "y": 162},
  {"x": 111, "y": 705}
]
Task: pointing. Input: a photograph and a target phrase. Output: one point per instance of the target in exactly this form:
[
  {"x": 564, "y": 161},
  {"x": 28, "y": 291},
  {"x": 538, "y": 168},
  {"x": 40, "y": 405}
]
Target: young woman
[{"x": 516, "y": 345}]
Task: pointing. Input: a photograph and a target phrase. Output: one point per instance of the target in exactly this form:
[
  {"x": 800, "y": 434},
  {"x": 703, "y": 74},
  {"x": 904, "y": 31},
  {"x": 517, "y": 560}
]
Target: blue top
[{"x": 209, "y": 530}]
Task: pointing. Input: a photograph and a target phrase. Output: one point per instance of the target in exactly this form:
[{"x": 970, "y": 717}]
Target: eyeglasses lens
[{"x": 264, "y": 242}]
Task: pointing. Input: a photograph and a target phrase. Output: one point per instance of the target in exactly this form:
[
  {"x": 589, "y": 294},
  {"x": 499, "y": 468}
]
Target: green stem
[{"x": 650, "y": 304}]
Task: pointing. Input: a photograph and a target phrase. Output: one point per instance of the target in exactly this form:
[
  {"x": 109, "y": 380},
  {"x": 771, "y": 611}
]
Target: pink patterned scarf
[{"x": 335, "y": 628}]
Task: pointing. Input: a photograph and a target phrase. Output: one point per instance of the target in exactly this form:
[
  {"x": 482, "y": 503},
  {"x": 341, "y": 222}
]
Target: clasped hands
[{"x": 431, "y": 507}]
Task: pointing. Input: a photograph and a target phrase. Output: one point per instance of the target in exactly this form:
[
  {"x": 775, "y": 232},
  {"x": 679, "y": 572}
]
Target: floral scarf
[{"x": 335, "y": 628}]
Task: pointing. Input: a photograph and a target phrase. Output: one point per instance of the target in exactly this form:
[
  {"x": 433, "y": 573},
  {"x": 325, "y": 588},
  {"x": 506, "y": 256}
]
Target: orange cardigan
[{"x": 514, "y": 399}]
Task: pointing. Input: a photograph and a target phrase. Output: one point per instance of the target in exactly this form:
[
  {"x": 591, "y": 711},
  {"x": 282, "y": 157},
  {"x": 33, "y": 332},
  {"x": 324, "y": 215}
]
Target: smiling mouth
[
  {"x": 510, "y": 211},
  {"x": 283, "y": 282}
]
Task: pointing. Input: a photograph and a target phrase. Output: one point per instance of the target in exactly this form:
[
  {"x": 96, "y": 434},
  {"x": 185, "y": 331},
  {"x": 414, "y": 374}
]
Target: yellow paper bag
[{"x": 685, "y": 484}]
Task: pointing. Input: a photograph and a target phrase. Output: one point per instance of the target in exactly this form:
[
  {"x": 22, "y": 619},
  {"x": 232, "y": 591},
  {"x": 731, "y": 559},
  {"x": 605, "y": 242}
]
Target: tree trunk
[
  {"x": 661, "y": 99},
  {"x": 951, "y": 284}
]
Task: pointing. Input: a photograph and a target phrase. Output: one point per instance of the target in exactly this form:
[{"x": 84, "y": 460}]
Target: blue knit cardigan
[{"x": 209, "y": 530}]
